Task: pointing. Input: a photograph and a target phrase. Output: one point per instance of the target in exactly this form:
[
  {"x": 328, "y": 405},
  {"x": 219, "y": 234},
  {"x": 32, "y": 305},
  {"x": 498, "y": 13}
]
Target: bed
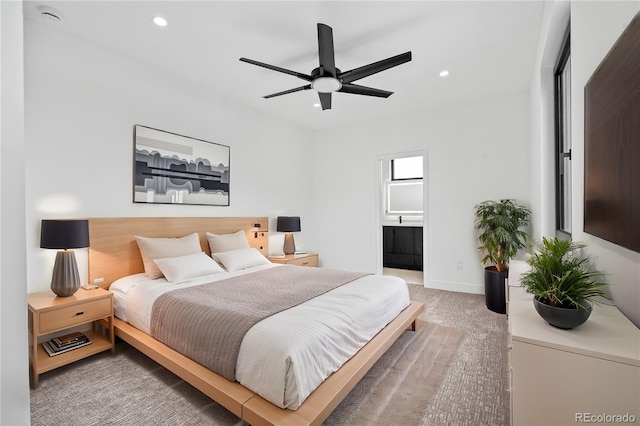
[{"x": 114, "y": 254}]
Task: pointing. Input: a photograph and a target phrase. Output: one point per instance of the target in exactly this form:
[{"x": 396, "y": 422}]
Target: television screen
[{"x": 612, "y": 144}]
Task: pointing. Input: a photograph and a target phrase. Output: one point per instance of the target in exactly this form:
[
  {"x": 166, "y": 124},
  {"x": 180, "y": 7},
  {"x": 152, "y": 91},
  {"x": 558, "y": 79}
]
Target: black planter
[
  {"x": 565, "y": 318},
  {"x": 494, "y": 292}
]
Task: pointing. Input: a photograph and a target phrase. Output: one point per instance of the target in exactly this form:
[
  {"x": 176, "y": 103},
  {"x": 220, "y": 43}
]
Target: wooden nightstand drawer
[
  {"x": 305, "y": 261},
  {"x": 69, "y": 316}
]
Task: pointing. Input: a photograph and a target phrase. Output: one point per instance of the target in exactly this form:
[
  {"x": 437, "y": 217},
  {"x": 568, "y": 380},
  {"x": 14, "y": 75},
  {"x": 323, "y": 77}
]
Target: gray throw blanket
[{"x": 208, "y": 322}]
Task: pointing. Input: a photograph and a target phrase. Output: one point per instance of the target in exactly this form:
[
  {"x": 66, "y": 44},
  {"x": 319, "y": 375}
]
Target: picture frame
[{"x": 176, "y": 169}]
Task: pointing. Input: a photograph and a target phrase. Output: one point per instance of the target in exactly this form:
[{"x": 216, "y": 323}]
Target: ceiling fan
[{"x": 327, "y": 79}]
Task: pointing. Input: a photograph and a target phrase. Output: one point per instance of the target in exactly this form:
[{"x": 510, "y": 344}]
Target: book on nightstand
[
  {"x": 68, "y": 339},
  {"x": 62, "y": 344}
]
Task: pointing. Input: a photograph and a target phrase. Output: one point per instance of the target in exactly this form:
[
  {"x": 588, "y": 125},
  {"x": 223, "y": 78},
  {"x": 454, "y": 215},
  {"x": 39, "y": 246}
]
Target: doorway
[{"x": 401, "y": 213}]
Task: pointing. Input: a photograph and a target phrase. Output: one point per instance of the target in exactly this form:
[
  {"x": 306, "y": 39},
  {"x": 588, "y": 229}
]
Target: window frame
[{"x": 560, "y": 116}]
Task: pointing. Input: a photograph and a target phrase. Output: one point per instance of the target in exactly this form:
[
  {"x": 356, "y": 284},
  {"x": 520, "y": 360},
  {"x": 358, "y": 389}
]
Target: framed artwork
[{"x": 175, "y": 169}]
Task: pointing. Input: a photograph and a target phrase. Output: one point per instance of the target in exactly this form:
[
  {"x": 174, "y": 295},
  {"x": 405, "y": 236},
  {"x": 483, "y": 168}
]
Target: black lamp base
[{"x": 65, "y": 280}]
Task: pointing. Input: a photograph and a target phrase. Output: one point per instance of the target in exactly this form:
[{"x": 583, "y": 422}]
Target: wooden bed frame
[{"x": 113, "y": 253}]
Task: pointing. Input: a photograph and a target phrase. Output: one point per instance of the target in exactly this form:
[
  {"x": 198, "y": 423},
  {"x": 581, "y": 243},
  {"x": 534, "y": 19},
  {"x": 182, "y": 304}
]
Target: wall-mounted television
[{"x": 612, "y": 144}]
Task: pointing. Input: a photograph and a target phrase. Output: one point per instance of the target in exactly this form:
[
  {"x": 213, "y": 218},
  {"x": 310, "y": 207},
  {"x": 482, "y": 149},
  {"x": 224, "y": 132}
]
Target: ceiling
[{"x": 488, "y": 48}]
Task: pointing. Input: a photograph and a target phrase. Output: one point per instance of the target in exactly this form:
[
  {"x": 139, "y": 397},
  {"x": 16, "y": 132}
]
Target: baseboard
[{"x": 455, "y": 286}]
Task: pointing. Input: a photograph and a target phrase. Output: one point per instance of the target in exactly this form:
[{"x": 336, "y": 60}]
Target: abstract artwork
[{"x": 175, "y": 169}]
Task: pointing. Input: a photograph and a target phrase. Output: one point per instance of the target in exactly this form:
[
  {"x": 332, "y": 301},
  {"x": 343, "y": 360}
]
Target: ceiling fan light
[{"x": 326, "y": 84}]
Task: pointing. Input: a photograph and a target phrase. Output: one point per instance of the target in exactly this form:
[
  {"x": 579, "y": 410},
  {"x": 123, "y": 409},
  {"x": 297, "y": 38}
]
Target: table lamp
[
  {"x": 288, "y": 224},
  {"x": 65, "y": 235}
]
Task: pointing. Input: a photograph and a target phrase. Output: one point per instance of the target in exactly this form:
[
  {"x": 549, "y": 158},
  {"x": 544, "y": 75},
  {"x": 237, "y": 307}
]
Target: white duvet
[{"x": 285, "y": 357}]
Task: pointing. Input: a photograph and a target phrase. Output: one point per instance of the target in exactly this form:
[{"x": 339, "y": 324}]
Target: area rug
[
  {"x": 131, "y": 389},
  {"x": 399, "y": 387}
]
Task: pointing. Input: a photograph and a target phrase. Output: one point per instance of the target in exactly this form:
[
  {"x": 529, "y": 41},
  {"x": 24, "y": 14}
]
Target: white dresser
[{"x": 590, "y": 374}]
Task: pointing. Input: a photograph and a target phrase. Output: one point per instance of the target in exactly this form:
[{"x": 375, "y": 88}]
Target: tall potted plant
[
  {"x": 501, "y": 235},
  {"x": 561, "y": 283}
]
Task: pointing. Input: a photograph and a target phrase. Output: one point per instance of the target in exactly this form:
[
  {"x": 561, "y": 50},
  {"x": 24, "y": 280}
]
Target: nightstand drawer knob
[{"x": 79, "y": 313}]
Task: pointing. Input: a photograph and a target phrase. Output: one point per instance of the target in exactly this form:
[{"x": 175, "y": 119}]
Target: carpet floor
[{"x": 452, "y": 371}]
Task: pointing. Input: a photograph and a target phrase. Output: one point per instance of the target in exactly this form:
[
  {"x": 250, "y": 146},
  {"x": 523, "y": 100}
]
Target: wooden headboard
[{"x": 114, "y": 253}]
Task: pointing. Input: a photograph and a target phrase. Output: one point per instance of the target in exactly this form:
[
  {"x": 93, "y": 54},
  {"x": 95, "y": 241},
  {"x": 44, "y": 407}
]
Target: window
[
  {"x": 406, "y": 168},
  {"x": 562, "y": 95}
]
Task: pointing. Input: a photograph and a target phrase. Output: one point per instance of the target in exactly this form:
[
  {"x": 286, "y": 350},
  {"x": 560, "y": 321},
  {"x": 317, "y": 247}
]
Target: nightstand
[
  {"x": 50, "y": 314},
  {"x": 306, "y": 259}
]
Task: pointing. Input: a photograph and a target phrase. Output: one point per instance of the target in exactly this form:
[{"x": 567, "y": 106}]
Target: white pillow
[
  {"x": 161, "y": 248},
  {"x": 124, "y": 284},
  {"x": 235, "y": 260},
  {"x": 227, "y": 242},
  {"x": 189, "y": 266}
]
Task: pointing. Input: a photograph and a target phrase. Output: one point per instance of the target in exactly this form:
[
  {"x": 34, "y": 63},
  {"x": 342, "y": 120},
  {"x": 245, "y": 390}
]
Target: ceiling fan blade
[
  {"x": 297, "y": 89},
  {"x": 376, "y": 67},
  {"x": 325, "y": 49},
  {"x": 275, "y": 68},
  {"x": 325, "y": 100},
  {"x": 363, "y": 90}
]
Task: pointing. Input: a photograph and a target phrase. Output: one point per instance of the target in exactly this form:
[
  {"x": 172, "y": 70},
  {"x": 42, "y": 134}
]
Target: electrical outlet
[
  {"x": 460, "y": 265},
  {"x": 98, "y": 280}
]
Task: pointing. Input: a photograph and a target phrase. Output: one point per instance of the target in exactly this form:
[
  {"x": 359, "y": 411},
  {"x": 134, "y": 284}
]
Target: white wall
[
  {"x": 595, "y": 27},
  {"x": 475, "y": 151},
  {"x": 14, "y": 357},
  {"x": 81, "y": 103}
]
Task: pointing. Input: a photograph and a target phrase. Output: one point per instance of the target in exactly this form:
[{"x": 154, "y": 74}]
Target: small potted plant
[
  {"x": 501, "y": 226},
  {"x": 561, "y": 283}
]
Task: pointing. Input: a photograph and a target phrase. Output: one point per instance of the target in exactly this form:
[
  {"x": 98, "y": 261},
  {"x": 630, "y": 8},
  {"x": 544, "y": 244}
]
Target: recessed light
[
  {"x": 160, "y": 21},
  {"x": 444, "y": 73}
]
